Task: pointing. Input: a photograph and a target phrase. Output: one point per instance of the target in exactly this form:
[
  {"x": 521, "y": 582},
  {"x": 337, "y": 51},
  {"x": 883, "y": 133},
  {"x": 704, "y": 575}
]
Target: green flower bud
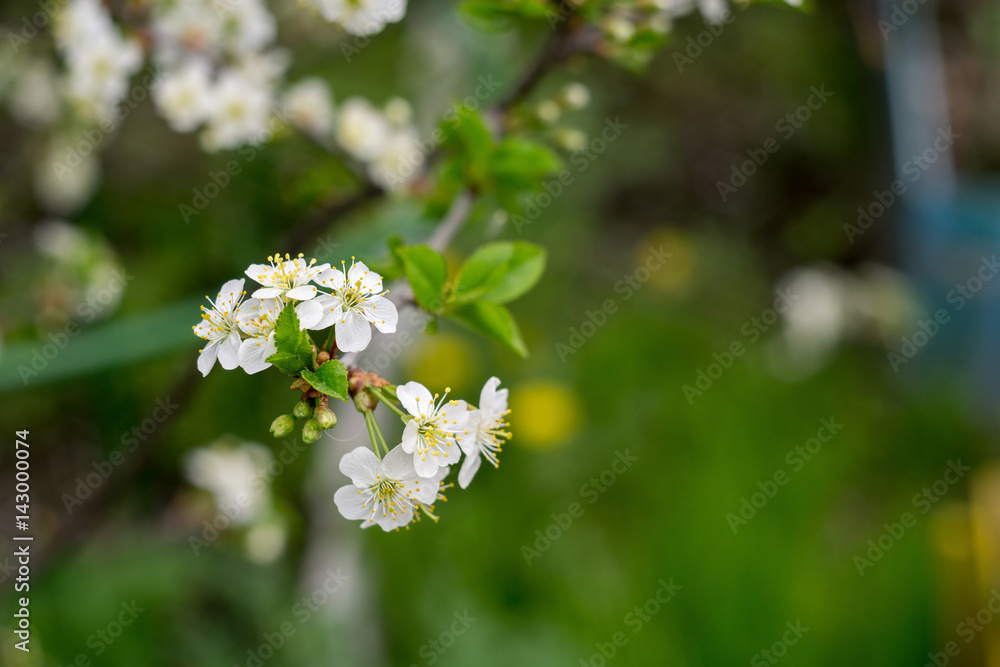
[
  {"x": 311, "y": 431},
  {"x": 325, "y": 417},
  {"x": 282, "y": 425},
  {"x": 302, "y": 410},
  {"x": 364, "y": 401}
]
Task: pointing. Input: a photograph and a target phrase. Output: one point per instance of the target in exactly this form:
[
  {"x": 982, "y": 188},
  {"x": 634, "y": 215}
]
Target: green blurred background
[{"x": 537, "y": 600}]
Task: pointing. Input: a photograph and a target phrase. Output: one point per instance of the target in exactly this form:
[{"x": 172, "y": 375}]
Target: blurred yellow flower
[
  {"x": 443, "y": 360},
  {"x": 543, "y": 413},
  {"x": 677, "y": 272}
]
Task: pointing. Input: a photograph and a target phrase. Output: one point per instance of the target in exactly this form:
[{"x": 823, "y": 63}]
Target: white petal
[
  {"x": 455, "y": 417},
  {"x": 229, "y": 350},
  {"x": 393, "y": 521},
  {"x": 331, "y": 279},
  {"x": 362, "y": 466},
  {"x": 351, "y": 503},
  {"x": 415, "y": 397},
  {"x": 398, "y": 464},
  {"x": 310, "y": 313},
  {"x": 330, "y": 311},
  {"x": 425, "y": 464},
  {"x": 254, "y": 352},
  {"x": 381, "y": 312},
  {"x": 469, "y": 468},
  {"x": 204, "y": 330},
  {"x": 410, "y": 437},
  {"x": 353, "y": 332},
  {"x": 369, "y": 280},
  {"x": 428, "y": 488},
  {"x": 207, "y": 357},
  {"x": 303, "y": 293},
  {"x": 267, "y": 293},
  {"x": 259, "y": 272},
  {"x": 468, "y": 442},
  {"x": 229, "y": 295},
  {"x": 488, "y": 394}
]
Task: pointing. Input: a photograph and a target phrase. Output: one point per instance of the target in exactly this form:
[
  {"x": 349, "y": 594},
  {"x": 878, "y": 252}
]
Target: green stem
[
  {"x": 387, "y": 402},
  {"x": 371, "y": 434},
  {"x": 378, "y": 432}
]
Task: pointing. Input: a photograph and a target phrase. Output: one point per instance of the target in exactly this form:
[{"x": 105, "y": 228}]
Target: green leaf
[
  {"x": 426, "y": 270},
  {"x": 286, "y": 362},
  {"x": 286, "y": 330},
  {"x": 330, "y": 379},
  {"x": 289, "y": 339},
  {"x": 523, "y": 270},
  {"x": 493, "y": 321},
  {"x": 483, "y": 271},
  {"x": 467, "y": 135},
  {"x": 519, "y": 165}
]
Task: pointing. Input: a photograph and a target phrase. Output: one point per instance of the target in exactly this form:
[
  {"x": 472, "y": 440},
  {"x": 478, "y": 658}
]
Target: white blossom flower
[
  {"x": 383, "y": 492},
  {"x": 356, "y": 299},
  {"x": 432, "y": 436},
  {"x": 309, "y": 105},
  {"x": 35, "y": 96},
  {"x": 79, "y": 21},
  {"x": 182, "y": 96},
  {"x": 229, "y": 472},
  {"x": 239, "y": 111},
  {"x": 186, "y": 28},
  {"x": 99, "y": 70},
  {"x": 257, "y": 317},
  {"x": 485, "y": 430},
  {"x": 63, "y": 186},
  {"x": 219, "y": 327},
  {"x": 362, "y": 17},
  {"x": 361, "y": 129},
  {"x": 286, "y": 279},
  {"x": 249, "y": 26},
  {"x": 399, "y": 162}
]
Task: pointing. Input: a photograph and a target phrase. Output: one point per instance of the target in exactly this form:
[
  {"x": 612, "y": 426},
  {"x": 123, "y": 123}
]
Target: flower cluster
[
  {"x": 393, "y": 490},
  {"x": 361, "y": 17},
  {"x": 99, "y": 60},
  {"x": 386, "y": 141},
  {"x": 241, "y": 331},
  {"x": 389, "y": 487}
]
